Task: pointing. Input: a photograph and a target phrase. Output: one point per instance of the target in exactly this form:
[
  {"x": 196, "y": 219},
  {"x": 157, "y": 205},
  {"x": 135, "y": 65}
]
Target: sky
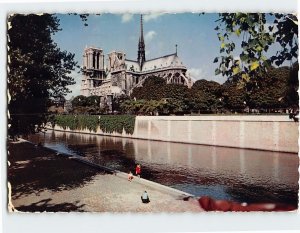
[{"x": 194, "y": 34}]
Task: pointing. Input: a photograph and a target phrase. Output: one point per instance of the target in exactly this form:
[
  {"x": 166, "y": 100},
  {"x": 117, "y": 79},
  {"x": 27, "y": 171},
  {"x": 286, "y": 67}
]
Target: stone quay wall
[{"x": 261, "y": 132}]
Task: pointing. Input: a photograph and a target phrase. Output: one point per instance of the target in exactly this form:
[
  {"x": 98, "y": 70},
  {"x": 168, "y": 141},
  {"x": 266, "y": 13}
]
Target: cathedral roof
[
  {"x": 132, "y": 65},
  {"x": 168, "y": 61},
  {"x": 162, "y": 62}
]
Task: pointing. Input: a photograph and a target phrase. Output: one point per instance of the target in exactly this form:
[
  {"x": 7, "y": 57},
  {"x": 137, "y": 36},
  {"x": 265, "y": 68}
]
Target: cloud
[
  {"x": 127, "y": 18},
  {"x": 153, "y": 16},
  {"x": 196, "y": 73},
  {"x": 150, "y": 35}
]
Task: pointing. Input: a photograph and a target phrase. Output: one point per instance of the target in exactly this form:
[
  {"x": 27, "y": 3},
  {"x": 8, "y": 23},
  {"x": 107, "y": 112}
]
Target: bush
[
  {"x": 77, "y": 122},
  {"x": 108, "y": 124},
  {"x": 116, "y": 123}
]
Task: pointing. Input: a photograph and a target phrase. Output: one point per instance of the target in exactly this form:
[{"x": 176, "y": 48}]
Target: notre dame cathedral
[{"x": 120, "y": 75}]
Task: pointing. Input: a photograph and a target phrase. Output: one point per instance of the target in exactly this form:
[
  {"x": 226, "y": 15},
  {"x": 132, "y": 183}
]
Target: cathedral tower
[{"x": 93, "y": 70}]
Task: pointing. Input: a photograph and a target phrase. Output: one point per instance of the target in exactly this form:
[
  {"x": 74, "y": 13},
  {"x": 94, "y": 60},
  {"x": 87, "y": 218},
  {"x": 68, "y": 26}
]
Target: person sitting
[
  {"x": 145, "y": 197},
  {"x": 130, "y": 176}
]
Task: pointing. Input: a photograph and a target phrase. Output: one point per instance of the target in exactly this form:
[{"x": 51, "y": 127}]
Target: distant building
[
  {"x": 59, "y": 101},
  {"x": 121, "y": 75}
]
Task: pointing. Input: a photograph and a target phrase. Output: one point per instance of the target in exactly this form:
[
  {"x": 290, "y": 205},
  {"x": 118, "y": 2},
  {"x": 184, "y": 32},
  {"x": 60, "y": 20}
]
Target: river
[{"x": 222, "y": 173}]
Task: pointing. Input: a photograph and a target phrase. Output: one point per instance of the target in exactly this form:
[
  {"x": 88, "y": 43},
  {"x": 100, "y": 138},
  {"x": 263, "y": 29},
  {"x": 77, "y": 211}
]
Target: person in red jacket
[{"x": 138, "y": 170}]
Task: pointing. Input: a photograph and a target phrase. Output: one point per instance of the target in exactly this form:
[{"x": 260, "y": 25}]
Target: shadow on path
[
  {"x": 44, "y": 205},
  {"x": 36, "y": 169}
]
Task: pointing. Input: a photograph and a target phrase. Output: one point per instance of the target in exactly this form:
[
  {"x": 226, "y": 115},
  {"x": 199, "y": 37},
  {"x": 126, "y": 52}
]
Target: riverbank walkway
[{"x": 44, "y": 180}]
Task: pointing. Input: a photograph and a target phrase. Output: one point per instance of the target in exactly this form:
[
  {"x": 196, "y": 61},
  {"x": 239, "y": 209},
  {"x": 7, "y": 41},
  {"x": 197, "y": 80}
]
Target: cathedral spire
[
  {"x": 141, "y": 50},
  {"x": 142, "y": 29}
]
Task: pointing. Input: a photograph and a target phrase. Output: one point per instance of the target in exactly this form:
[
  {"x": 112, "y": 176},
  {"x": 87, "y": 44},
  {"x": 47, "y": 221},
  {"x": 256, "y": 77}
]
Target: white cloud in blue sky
[
  {"x": 196, "y": 73},
  {"x": 127, "y": 18},
  {"x": 150, "y": 35},
  {"x": 152, "y": 16}
]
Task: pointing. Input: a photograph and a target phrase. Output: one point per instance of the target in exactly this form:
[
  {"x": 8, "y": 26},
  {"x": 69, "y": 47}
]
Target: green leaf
[
  {"x": 244, "y": 57},
  {"x": 223, "y": 45},
  {"x": 217, "y": 71},
  {"x": 236, "y": 70},
  {"x": 245, "y": 77},
  {"x": 258, "y": 48},
  {"x": 264, "y": 58},
  {"x": 254, "y": 65},
  {"x": 216, "y": 60},
  {"x": 238, "y": 32}
]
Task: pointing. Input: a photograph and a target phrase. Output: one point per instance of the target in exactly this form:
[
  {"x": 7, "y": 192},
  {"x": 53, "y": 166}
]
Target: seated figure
[{"x": 145, "y": 197}]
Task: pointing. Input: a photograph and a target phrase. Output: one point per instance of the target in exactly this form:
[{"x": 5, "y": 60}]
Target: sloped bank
[
  {"x": 261, "y": 132},
  {"x": 43, "y": 179}
]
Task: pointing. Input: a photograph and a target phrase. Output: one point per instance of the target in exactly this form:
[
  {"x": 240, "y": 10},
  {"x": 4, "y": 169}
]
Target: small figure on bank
[
  {"x": 138, "y": 170},
  {"x": 130, "y": 176},
  {"x": 145, "y": 197}
]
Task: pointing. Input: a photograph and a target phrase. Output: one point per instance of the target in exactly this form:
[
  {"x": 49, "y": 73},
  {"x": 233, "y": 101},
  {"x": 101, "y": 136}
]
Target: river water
[{"x": 222, "y": 173}]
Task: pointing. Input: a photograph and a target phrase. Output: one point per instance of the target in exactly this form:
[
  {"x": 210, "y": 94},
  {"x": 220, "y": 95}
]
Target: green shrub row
[
  {"x": 116, "y": 123},
  {"x": 108, "y": 124},
  {"x": 65, "y": 121}
]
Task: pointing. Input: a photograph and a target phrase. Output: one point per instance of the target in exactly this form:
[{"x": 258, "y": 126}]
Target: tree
[
  {"x": 274, "y": 90},
  {"x": 38, "y": 70},
  {"x": 153, "y": 88},
  {"x": 79, "y": 100},
  {"x": 117, "y": 102},
  {"x": 93, "y": 101},
  {"x": 234, "y": 98},
  {"x": 169, "y": 98},
  {"x": 205, "y": 96},
  {"x": 292, "y": 96},
  {"x": 258, "y": 34}
]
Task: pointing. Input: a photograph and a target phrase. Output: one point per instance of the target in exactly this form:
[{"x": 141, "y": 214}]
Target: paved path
[{"x": 44, "y": 181}]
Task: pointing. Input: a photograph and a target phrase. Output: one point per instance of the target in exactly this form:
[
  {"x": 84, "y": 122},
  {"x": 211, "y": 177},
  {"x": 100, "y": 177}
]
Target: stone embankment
[
  {"x": 260, "y": 132},
  {"x": 45, "y": 180}
]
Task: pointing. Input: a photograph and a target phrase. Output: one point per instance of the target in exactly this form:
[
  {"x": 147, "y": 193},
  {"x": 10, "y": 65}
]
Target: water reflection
[{"x": 225, "y": 173}]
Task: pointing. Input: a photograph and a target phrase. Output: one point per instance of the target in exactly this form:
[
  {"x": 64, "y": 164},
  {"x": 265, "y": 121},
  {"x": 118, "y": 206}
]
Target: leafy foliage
[
  {"x": 77, "y": 122},
  {"x": 93, "y": 100},
  {"x": 86, "y": 105},
  {"x": 65, "y": 121},
  {"x": 292, "y": 96},
  {"x": 206, "y": 96},
  {"x": 234, "y": 98},
  {"x": 276, "y": 89},
  {"x": 273, "y": 91},
  {"x": 153, "y": 88},
  {"x": 83, "y": 17},
  {"x": 38, "y": 70},
  {"x": 116, "y": 123},
  {"x": 107, "y": 123},
  {"x": 257, "y": 37},
  {"x": 79, "y": 100},
  {"x": 156, "y": 96}
]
